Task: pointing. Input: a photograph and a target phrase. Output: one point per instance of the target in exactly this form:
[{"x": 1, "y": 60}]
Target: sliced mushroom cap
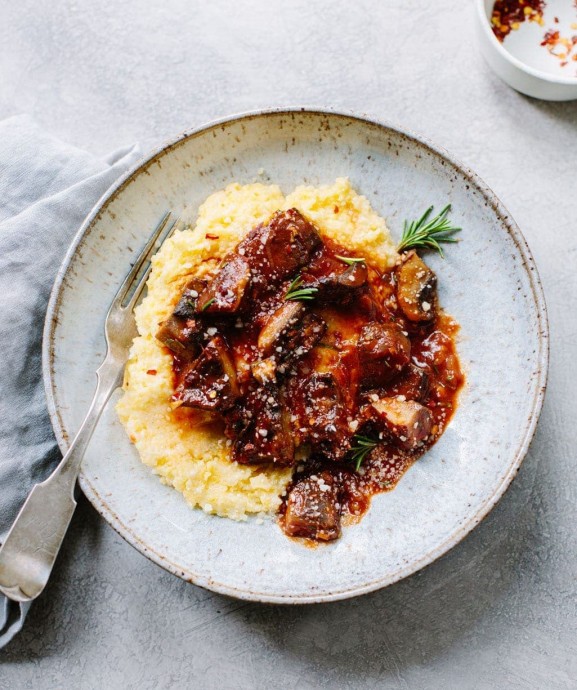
[
  {"x": 209, "y": 383},
  {"x": 290, "y": 333},
  {"x": 264, "y": 370},
  {"x": 278, "y": 249},
  {"x": 182, "y": 331},
  {"x": 224, "y": 294},
  {"x": 285, "y": 316},
  {"x": 355, "y": 275},
  {"x": 182, "y": 336},
  {"x": 416, "y": 288},
  {"x": 336, "y": 280},
  {"x": 384, "y": 351},
  {"x": 408, "y": 422},
  {"x": 302, "y": 337},
  {"x": 186, "y": 307},
  {"x": 312, "y": 508},
  {"x": 265, "y": 433},
  {"x": 321, "y": 407},
  {"x": 413, "y": 383}
]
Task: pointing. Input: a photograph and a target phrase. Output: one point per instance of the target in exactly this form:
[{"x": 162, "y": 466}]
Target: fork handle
[{"x": 30, "y": 549}]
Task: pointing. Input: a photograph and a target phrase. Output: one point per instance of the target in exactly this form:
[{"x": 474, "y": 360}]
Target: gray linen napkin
[{"x": 46, "y": 190}]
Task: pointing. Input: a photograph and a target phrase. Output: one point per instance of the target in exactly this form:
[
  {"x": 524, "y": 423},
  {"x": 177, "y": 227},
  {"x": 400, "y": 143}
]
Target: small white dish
[
  {"x": 522, "y": 62},
  {"x": 487, "y": 281}
]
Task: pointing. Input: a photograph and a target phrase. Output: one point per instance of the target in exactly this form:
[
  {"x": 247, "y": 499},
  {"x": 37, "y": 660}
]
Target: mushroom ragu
[{"x": 311, "y": 358}]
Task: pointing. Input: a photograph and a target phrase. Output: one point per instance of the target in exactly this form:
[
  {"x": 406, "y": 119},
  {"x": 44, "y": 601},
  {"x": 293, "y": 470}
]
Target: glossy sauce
[
  {"x": 433, "y": 348},
  {"x": 323, "y": 433}
]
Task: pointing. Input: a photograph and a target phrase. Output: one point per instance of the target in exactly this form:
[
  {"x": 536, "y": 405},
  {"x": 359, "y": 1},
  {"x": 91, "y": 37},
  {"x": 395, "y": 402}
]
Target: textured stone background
[{"x": 500, "y": 610}]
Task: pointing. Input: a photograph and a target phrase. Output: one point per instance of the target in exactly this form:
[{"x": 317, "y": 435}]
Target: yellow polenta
[{"x": 196, "y": 460}]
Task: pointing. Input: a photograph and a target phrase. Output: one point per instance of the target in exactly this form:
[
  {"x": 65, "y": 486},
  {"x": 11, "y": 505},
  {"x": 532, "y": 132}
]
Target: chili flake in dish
[{"x": 508, "y": 15}]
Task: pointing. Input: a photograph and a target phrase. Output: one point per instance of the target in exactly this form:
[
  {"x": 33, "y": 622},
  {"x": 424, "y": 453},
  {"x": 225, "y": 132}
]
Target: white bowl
[
  {"x": 521, "y": 76},
  {"x": 488, "y": 282}
]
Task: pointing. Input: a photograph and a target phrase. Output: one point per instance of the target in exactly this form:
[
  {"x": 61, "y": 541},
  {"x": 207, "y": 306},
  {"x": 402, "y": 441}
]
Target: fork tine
[
  {"x": 142, "y": 281},
  {"x": 127, "y": 282}
]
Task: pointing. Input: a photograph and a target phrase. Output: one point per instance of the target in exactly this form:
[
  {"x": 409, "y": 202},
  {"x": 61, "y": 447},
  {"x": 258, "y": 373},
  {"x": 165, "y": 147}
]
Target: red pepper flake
[
  {"x": 551, "y": 38},
  {"x": 336, "y": 209},
  {"x": 152, "y": 372},
  {"x": 508, "y": 15},
  {"x": 556, "y": 20},
  {"x": 559, "y": 46},
  {"x": 209, "y": 236}
]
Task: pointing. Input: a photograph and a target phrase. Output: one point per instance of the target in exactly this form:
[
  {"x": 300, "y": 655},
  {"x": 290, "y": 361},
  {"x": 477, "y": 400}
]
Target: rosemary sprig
[
  {"x": 297, "y": 292},
  {"x": 207, "y": 304},
  {"x": 428, "y": 233},
  {"x": 350, "y": 260},
  {"x": 363, "y": 446}
]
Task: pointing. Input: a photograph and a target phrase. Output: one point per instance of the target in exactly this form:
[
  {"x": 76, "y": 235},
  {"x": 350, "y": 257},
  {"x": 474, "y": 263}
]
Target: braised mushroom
[
  {"x": 210, "y": 382},
  {"x": 182, "y": 331},
  {"x": 290, "y": 333},
  {"x": 182, "y": 336},
  {"x": 225, "y": 293},
  {"x": 287, "y": 315},
  {"x": 312, "y": 508},
  {"x": 408, "y": 422},
  {"x": 263, "y": 429},
  {"x": 413, "y": 383},
  {"x": 186, "y": 307},
  {"x": 336, "y": 280},
  {"x": 416, "y": 288},
  {"x": 323, "y": 412},
  {"x": 384, "y": 350},
  {"x": 278, "y": 249}
]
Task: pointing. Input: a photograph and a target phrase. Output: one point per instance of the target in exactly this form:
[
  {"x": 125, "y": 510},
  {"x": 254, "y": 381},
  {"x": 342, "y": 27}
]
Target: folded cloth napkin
[{"x": 46, "y": 190}]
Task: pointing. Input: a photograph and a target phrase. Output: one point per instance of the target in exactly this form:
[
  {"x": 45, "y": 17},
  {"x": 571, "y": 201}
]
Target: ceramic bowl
[
  {"x": 524, "y": 66},
  {"x": 488, "y": 282}
]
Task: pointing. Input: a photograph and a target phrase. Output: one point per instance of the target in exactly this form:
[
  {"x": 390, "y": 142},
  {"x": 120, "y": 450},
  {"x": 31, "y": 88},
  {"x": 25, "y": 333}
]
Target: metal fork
[{"x": 30, "y": 549}]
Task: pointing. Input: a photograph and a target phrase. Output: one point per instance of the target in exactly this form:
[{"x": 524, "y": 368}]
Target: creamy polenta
[{"x": 194, "y": 458}]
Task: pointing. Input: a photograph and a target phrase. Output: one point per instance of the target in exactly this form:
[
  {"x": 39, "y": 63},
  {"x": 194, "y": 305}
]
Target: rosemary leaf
[
  {"x": 297, "y": 292},
  {"x": 428, "y": 233},
  {"x": 363, "y": 446},
  {"x": 207, "y": 305},
  {"x": 350, "y": 260}
]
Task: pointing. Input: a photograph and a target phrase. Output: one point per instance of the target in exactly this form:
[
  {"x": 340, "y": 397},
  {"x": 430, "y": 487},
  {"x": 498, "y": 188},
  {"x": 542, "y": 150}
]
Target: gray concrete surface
[{"x": 500, "y": 610}]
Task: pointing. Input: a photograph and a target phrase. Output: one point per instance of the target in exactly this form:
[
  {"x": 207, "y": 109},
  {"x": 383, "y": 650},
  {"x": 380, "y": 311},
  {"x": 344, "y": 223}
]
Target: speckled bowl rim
[{"x": 98, "y": 501}]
